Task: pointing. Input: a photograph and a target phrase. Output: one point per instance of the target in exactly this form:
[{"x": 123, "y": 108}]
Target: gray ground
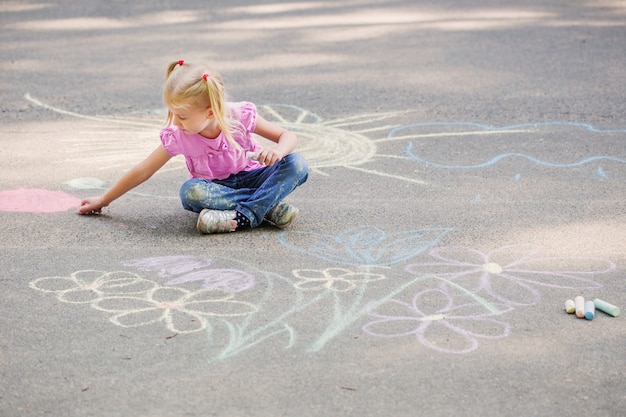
[{"x": 467, "y": 177}]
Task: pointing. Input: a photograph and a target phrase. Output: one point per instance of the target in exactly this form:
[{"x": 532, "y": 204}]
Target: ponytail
[{"x": 168, "y": 73}]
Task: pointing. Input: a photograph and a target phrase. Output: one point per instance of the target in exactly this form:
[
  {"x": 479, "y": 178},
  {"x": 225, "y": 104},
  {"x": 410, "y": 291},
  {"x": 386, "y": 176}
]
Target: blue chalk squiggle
[
  {"x": 496, "y": 159},
  {"x": 585, "y": 126}
]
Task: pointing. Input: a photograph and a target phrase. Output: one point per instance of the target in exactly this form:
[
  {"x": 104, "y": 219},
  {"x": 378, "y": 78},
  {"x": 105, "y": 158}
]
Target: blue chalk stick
[{"x": 590, "y": 310}]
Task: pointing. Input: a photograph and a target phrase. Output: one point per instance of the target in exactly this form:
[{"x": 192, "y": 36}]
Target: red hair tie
[
  {"x": 205, "y": 76},
  {"x": 181, "y": 62}
]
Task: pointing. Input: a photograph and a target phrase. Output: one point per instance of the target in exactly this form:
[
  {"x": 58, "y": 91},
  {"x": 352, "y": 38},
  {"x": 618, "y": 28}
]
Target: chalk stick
[
  {"x": 579, "y": 302},
  {"x": 570, "y": 306},
  {"x": 252, "y": 156},
  {"x": 590, "y": 310},
  {"x": 608, "y": 308}
]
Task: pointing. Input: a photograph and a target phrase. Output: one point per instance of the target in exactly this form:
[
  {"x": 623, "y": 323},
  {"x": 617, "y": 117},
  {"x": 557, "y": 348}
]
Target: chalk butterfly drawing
[{"x": 364, "y": 246}]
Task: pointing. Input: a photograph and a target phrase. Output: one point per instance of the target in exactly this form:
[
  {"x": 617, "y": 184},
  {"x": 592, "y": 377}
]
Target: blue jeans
[{"x": 252, "y": 193}]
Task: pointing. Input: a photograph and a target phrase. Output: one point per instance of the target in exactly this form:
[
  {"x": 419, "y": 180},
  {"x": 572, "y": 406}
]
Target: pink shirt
[{"x": 216, "y": 158}]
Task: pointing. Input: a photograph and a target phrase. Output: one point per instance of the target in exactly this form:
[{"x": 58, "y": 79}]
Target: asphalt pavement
[{"x": 468, "y": 166}]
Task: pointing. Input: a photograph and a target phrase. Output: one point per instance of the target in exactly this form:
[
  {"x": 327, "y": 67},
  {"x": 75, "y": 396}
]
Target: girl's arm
[
  {"x": 138, "y": 174},
  {"x": 286, "y": 141}
]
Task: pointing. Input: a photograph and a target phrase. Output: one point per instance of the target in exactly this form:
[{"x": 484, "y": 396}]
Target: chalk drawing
[
  {"x": 327, "y": 144},
  {"x": 336, "y": 279},
  {"x": 445, "y": 326},
  {"x": 511, "y": 274},
  {"x": 498, "y": 158},
  {"x": 448, "y": 304},
  {"x": 354, "y": 142},
  {"x": 110, "y": 142},
  {"x": 472, "y": 288},
  {"x": 86, "y": 183},
  {"x": 188, "y": 269},
  {"x": 167, "y": 266},
  {"x": 181, "y": 310},
  {"x": 91, "y": 285},
  {"x": 106, "y": 144},
  {"x": 90, "y": 183},
  {"x": 229, "y": 279},
  {"x": 134, "y": 301},
  {"x": 364, "y": 246},
  {"x": 423, "y": 132},
  {"x": 29, "y": 200}
]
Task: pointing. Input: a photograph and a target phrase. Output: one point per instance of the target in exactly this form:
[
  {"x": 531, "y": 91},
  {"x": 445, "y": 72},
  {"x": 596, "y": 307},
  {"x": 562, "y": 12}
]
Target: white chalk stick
[
  {"x": 252, "y": 156},
  {"x": 579, "y": 301},
  {"x": 570, "y": 306}
]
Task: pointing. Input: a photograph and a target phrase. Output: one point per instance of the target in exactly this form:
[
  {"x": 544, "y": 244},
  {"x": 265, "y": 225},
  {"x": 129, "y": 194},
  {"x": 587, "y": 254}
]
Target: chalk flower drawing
[
  {"x": 136, "y": 301},
  {"x": 89, "y": 285},
  {"x": 336, "y": 279},
  {"x": 181, "y": 311},
  {"x": 440, "y": 325},
  {"x": 454, "y": 299},
  {"x": 363, "y": 246},
  {"x": 510, "y": 274}
]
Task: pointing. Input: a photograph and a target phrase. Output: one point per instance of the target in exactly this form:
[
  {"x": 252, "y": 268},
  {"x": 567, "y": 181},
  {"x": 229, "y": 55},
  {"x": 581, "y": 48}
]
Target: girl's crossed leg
[{"x": 255, "y": 195}]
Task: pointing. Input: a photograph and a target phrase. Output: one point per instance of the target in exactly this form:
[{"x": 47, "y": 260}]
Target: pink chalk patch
[{"x": 37, "y": 201}]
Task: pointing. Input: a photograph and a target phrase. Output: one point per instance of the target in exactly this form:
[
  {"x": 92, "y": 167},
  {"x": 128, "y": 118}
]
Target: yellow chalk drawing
[{"x": 135, "y": 301}]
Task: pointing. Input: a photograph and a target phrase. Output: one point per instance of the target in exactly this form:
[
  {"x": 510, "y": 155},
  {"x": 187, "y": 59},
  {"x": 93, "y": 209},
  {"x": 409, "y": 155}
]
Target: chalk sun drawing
[{"x": 328, "y": 144}]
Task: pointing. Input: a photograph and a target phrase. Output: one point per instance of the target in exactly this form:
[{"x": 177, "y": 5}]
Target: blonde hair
[{"x": 198, "y": 86}]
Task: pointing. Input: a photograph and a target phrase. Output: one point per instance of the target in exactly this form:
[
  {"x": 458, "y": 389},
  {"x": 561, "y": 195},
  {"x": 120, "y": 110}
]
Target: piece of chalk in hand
[
  {"x": 608, "y": 308},
  {"x": 579, "y": 301},
  {"x": 570, "y": 306},
  {"x": 252, "y": 156},
  {"x": 590, "y": 310}
]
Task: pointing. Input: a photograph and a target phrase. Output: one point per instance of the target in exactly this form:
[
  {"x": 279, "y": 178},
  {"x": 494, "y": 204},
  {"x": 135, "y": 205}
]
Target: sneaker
[
  {"x": 282, "y": 215},
  {"x": 216, "y": 221}
]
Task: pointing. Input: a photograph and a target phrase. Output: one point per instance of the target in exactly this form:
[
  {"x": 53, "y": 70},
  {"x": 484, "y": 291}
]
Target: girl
[{"x": 235, "y": 184}]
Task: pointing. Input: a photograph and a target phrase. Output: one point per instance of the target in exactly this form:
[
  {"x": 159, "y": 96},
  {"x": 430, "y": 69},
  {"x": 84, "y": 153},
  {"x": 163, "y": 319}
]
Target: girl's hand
[
  {"x": 269, "y": 157},
  {"x": 91, "y": 205},
  {"x": 286, "y": 141}
]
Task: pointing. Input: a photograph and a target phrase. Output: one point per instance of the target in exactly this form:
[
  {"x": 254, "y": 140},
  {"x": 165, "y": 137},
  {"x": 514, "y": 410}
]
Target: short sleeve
[
  {"x": 247, "y": 116},
  {"x": 169, "y": 141}
]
